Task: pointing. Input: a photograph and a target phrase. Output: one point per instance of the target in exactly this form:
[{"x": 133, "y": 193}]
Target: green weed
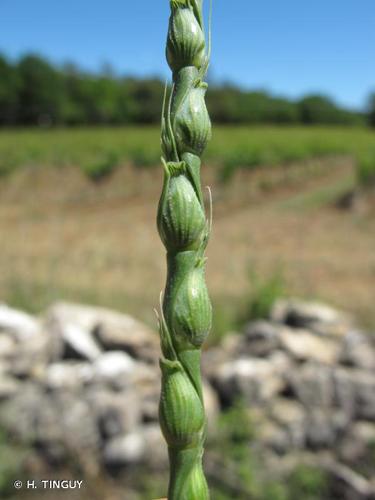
[
  {"x": 102, "y": 168},
  {"x": 308, "y": 482},
  {"x": 263, "y": 293},
  {"x": 366, "y": 169},
  {"x": 11, "y": 465}
]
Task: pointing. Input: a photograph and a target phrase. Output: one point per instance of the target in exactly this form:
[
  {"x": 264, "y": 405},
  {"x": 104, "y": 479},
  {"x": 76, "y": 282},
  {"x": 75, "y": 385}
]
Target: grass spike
[{"x": 185, "y": 309}]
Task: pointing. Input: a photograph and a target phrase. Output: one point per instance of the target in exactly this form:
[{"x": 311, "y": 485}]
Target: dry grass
[{"x": 66, "y": 237}]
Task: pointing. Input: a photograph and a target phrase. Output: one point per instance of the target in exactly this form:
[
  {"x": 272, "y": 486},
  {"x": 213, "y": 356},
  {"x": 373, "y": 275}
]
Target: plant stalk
[{"x": 186, "y": 314}]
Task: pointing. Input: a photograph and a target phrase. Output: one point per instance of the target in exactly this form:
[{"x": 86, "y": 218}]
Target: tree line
[{"x": 35, "y": 92}]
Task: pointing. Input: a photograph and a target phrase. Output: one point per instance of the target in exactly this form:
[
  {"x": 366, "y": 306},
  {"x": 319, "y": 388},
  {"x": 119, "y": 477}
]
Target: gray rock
[
  {"x": 211, "y": 404},
  {"x": 320, "y": 318},
  {"x": 321, "y": 429},
  {"x": 274, "y": 436},
  {"x": 122, "y": 332},
  {"x": 255, "y": 380},
  {"x": 125, "y": 450},
  {"x": 68, "y": 375},
  {"x": 356, "y": 446},
  {"x": 365, "y": 396},
  {"x": 312, "y": 385},
  {"x": 59, "y": 424},
  {"x": 79, "y": 343},
  {"x": 78, "y": 428},
  {"x": 260, "y": 338},
  {"x": 115, "y": 368},
  {"x": 70, "y": 328},
  {"x": 18, "y": 414},
  {"x": 358, "y": 351},
  {"x": 66, "y": 430},
  {"x": 146, "y": 382},
  {"x": 364, "y": 431},
  {"x": 110, "y": 329},
  {"x": 9, "y": 386},
  {"x": 290, "y": 415},
  {"x": 303, "y": 345},
  {"x": 355, "y": 392},
  {"x": 281, "y": 362},
  {"x": 18, "y": 323},
  {"x": 344, "y": 390},
  {"x": 8, "y": 346},
  {"x": 30, "y": 357},
  {"x": 347, "y": 484},
  {"x": 116, "y": 413},
  {"x": 212, "y": 358},
  {"x": 23, "y": 343},
  {"x": 156, "y": 456}
]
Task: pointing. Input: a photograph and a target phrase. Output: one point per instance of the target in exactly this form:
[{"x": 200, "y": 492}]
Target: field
[
  {"x": 78, "y": 208},
  {"x": 98, "y": 151}
]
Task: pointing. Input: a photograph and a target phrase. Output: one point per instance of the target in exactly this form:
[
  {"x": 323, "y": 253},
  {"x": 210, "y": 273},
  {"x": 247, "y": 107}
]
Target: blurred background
[{"x": 291, "y": 262}]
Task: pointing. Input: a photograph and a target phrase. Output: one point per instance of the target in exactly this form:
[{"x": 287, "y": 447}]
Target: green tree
[
  {"x": 371, "y": 110},
  {"x": 318, "y": 109},
  {"x": 74, "y": 109},
  {"x": 283, "y": 111},
  {"x": 146, "y": 97},
  {"x": 9, "y": 93},
  {"x": 224, "y": 104},
  {"x": 41, "y": 94},
  {"x": 34, "y": 92}
]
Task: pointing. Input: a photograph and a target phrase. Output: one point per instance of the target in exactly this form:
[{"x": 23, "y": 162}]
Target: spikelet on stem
[{"x": 186, "y": 314}]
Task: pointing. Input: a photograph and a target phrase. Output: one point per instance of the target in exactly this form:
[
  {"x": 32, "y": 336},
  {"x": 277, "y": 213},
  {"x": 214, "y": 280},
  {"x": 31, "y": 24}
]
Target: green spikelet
[
  {"x": 192, "y": 125},
  {"x": 181, "y": 410},
  {"x": 185, "y": 42},
  {"x": 191, "y": 315},
  {"x": 181, "y": 219},
  {"x": 186, "y": 313}
]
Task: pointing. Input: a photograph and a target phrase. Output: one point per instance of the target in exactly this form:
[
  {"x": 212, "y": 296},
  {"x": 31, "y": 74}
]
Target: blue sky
[{"x": 289, "y": 47}]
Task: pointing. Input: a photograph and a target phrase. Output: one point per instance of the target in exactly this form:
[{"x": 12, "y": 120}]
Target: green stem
[
  {"x": 187, "y": 481},
  {"x": 186, "y": 315}
]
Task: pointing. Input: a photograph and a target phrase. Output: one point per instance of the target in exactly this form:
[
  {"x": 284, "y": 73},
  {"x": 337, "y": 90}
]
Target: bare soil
[{"x": 65, "y": 237}]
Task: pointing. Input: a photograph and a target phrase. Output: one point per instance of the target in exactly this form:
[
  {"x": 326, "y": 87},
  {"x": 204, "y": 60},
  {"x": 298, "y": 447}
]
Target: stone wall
[{"x": 82, "y": 382}]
